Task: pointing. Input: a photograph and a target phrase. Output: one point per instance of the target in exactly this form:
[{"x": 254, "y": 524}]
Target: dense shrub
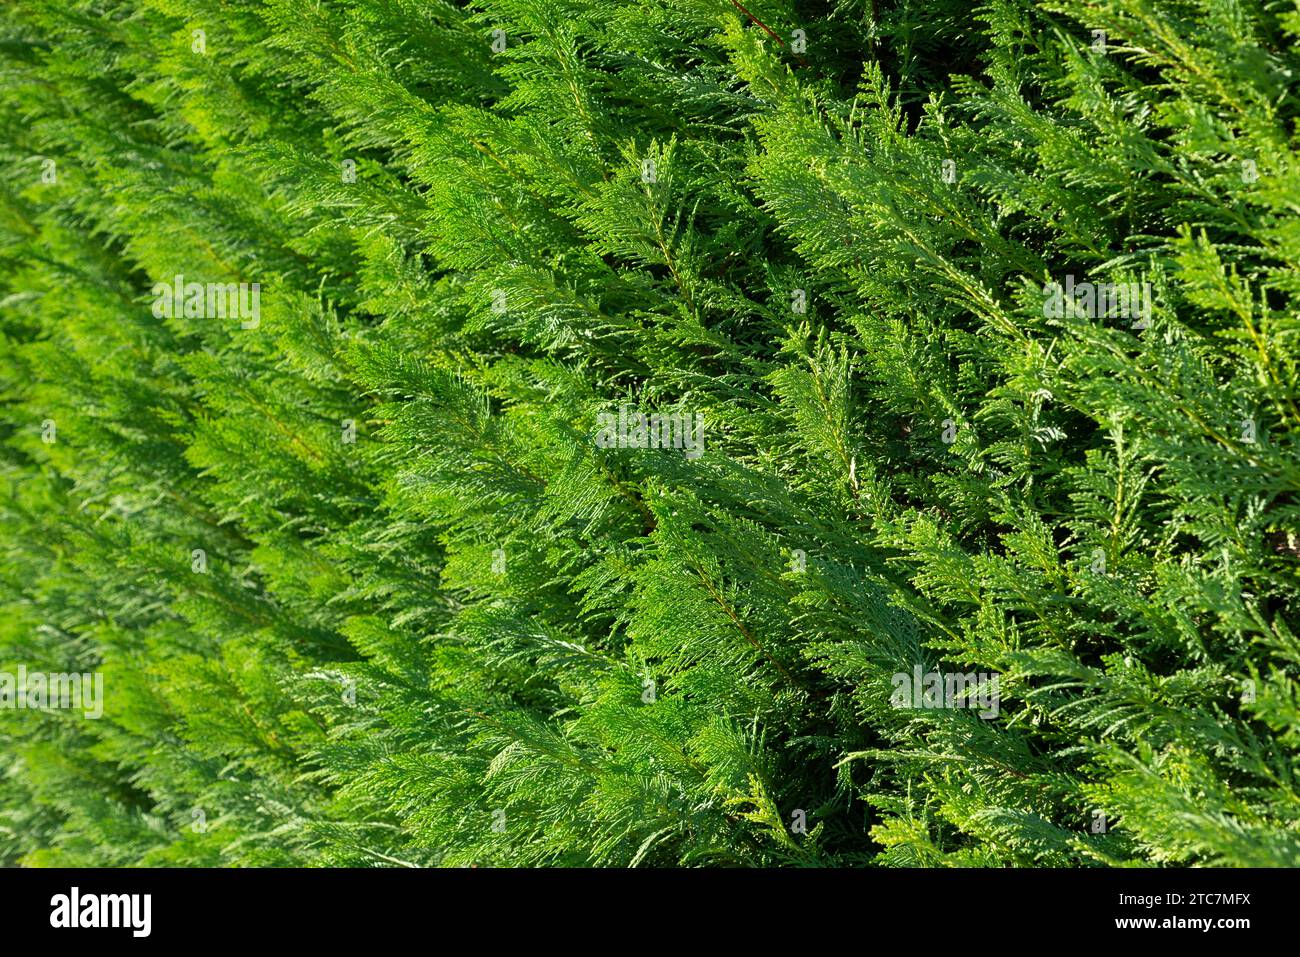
[{"x": 972, "y": 334}]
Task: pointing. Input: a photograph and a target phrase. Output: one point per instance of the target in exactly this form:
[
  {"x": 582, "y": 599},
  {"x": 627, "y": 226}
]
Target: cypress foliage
[{"x": 972, "y": 337}]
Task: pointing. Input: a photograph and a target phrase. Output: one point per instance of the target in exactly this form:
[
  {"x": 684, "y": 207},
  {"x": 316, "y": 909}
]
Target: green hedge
[{"x": 970, "y": 335}]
